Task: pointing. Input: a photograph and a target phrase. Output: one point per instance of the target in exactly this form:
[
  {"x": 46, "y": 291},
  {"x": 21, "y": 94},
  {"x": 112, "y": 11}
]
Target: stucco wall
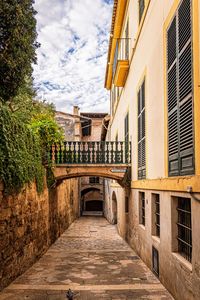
[
  {"x": 148, "y": 62},
  {"x": 176, "y": 273}
]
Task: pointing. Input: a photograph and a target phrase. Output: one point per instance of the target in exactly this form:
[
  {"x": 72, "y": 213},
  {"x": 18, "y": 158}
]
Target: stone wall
[
  {"x": 30, "y": 223},
  {"x": 63, "y": 207}
]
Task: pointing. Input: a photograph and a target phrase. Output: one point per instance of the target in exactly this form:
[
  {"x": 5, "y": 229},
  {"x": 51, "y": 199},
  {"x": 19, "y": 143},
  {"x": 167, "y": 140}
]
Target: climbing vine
[{"x": 20, "y": 154}]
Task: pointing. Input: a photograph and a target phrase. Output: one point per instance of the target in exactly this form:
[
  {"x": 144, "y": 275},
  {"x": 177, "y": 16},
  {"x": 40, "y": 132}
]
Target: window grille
[
  {"x": 94, "y": 180},
  {"x": 184, "y": 228},
  {"x": 142, "y": 207},
  {"x": 141, "y": 133},
  {"x": 180, "y": 92},
  {"x": 157, "y": 213},
  {"x": 141, "y": 8},
  {"x": 155, "y": 261}
]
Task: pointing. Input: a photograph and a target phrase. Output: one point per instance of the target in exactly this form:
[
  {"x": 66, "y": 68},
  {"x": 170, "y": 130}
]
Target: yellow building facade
[{"x": 153, "y": 77}]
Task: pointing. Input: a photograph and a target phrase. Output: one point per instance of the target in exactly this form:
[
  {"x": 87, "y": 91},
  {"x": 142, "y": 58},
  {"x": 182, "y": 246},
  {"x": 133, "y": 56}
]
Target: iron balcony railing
[
  {"x": 122, "y": 51},
  {"x": 102, "y": 152}
]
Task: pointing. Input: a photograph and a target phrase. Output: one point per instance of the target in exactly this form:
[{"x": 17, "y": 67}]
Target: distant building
[
  {"x": 86, "y": 127},
  {"x": 92, "y": 187}
]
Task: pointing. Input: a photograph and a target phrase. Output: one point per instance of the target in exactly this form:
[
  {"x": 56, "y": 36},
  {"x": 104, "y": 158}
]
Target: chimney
[{"x": 76, "y": 110}]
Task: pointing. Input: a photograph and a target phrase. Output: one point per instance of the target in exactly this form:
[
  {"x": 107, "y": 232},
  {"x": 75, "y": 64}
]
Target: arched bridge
[{"x": 103, "y": 159}]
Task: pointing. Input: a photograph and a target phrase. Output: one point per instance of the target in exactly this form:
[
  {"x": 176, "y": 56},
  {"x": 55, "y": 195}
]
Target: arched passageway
[
  {"x": 94, "y": 205},
  {"x": 91, "y": 200}
]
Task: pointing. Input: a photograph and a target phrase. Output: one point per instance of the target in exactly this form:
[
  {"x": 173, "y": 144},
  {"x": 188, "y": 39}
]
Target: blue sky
[{"x": 72, "y": 58}]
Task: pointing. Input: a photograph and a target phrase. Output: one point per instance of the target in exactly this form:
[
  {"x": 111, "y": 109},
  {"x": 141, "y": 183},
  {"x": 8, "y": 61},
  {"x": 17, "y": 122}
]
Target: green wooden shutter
[
  {"x": 126, "y": 128},
  {"x": 180, "y": 93},
  {"x": 141, "y": 4},
  {"x": 127, "y": 41},
  {"x": 141, "y": 133},
  {"x": 172, "y": 93},
  {"x": 185, "y": 88}
]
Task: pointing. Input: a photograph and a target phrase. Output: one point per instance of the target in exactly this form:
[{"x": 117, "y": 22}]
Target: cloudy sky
[{"x": 72, "y": 58}]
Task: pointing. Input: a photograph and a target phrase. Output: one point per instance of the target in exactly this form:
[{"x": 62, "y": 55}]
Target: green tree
[
  {"x": 49, "y": 132},
  {"x": 17, "y": 46}
]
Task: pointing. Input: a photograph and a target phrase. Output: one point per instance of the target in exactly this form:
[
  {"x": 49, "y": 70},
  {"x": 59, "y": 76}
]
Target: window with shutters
[
  {"x": 114, "y": 97},
  {"x": 155, "y": 204},
  {"x": 141, "y": 4},
  {"x": 127, "y": 41},
  {"x": 180, "y": 92},
  {"x": 126, "y": 128},
  {"x": 126, "y": 132},
  {"x": 141, "y": 133},
  {"x": 142, "y": 208}
]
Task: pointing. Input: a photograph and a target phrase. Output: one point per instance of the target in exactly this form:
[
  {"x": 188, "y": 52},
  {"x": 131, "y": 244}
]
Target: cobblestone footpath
[{"x": 93, "y": 261}]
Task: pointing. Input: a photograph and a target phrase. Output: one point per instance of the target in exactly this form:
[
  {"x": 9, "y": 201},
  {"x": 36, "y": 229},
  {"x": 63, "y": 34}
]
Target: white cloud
[{"x": 72, "y": 57}]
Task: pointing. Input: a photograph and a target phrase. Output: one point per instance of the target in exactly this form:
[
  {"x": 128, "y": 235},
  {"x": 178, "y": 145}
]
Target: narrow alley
[{"x": 93, "y": 261}]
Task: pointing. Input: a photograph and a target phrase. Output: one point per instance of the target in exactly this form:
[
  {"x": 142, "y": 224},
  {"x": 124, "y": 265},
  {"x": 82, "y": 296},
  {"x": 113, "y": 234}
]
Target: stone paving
[{"x": 93, "y": 261}]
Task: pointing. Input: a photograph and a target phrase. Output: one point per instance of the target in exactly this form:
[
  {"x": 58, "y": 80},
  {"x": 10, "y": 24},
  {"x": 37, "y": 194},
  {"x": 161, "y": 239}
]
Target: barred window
[
  {"x": 157, "y": 214},
  {"x": 142, "y": 208},
  {"x": 184, "y": 225},
  {"x": 155, "y": 261},
  {"x": 94, "y": 180}
]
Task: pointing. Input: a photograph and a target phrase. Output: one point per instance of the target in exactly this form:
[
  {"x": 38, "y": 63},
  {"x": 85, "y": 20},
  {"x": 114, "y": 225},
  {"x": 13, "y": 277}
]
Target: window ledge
[{"x": 184, "y": 263}]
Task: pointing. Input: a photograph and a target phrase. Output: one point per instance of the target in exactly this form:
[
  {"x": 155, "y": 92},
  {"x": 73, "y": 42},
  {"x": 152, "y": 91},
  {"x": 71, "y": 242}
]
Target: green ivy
[{"x": 20, "y": 154}]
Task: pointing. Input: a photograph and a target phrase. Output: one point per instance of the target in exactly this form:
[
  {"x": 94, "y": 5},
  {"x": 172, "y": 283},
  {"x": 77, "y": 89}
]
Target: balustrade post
[
  {"x": 93, "y": 153},
  {"x": 103, "y": 152},
  {"x": 60, "y": 153},
  {"x": 79, "y": 152},
  {"x": 107, "y": 153},
  {"x": 97, "y": 152},
  {"x": 121, "y": 152},
  {"x": 88, "y": 152},
  {"x": 52, "y": 153},
  {"x": 56, "y": 153},
  {"x": 74, "y": 152},
  {"x": 70, "y": 152},
  {"x": 112, "y": 152},
  {"x": 65, "y": 153},
  {"x": 116, "y": 152},
  {"x": 83, "y": 153}
]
